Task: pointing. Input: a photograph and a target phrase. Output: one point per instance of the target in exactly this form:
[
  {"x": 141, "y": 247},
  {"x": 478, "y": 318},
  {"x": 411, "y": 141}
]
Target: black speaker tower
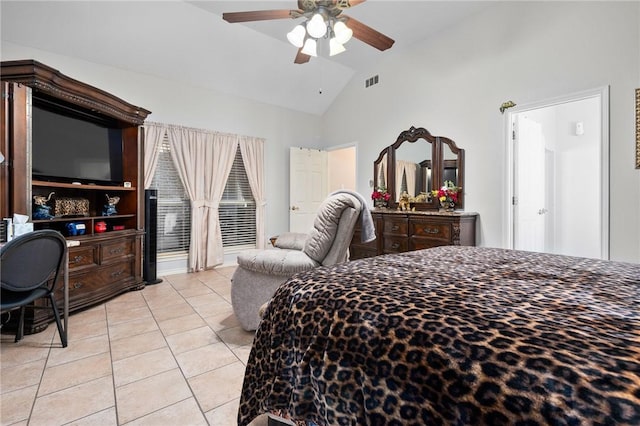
[{"x": 150, "y": 264}]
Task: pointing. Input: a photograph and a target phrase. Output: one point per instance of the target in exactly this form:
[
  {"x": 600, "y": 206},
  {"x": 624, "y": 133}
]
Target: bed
[{"x": 451, "y": 335}]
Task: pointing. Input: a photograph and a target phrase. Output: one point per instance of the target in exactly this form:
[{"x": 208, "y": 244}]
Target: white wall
[
  {"x": 454, "y": 83},
  {"x": 176, "y": 103}
]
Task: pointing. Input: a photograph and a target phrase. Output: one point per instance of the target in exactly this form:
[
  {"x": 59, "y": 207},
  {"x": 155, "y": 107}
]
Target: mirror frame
[{"x": 412, "y": 135}]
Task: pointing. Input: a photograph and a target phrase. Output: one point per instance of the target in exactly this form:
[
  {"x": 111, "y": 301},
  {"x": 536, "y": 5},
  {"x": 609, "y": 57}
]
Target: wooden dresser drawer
[
  {"x": 79, "y": 285},
  {"x": 431, "y": 230},
  {"x": 396, "y": 226},
  {"x": 395, "y": 244},
  {"x": 357, "y": 240},
  {"x": 116, "y": 249},
  {"x": 361, "y": 252},
  {"x": 425, "y": 243},
  {"x": 82, "y": 257},
  {"x": 90, "y": 285},
  {"x": 117, "y": 272}
]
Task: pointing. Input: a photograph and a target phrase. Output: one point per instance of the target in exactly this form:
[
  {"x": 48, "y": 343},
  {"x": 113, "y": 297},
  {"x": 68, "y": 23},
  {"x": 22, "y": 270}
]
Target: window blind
[
  {"x": 237, "y": 209},
  {"x": 174, "y": 207}
]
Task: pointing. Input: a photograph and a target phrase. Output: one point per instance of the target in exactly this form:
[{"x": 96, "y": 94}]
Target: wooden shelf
[
  {"x": 81, "y": 218},
  {"x": 81, "y": 186}
]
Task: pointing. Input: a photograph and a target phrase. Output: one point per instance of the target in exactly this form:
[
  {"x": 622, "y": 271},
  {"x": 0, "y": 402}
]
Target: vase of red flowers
[
  {"x": 380, "y": 197},
  {"x": 447, "y": 195}
]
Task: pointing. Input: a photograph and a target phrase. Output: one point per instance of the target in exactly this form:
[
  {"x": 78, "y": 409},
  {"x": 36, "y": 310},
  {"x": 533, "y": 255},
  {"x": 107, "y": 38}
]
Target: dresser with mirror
[{"x": 414, "y": 165}]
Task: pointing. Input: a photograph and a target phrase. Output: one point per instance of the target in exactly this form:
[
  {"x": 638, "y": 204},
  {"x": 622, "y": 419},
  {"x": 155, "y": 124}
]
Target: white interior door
[
  {"x": 529, "y": 185},
  {"x": 307, "y": 186}
]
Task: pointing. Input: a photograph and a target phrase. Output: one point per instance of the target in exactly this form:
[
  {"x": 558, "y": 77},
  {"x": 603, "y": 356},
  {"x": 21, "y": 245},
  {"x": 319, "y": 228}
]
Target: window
[
  {"x": 174, "y": 207},
  {"x": 238, "y": 209}
]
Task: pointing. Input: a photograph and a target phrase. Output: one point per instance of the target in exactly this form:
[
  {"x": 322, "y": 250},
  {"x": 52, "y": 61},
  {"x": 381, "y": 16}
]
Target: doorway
[
  {"x": 558, "y": 155},
  {"x": 314, "y": 174},
  {"x": 341, "y": 173}
]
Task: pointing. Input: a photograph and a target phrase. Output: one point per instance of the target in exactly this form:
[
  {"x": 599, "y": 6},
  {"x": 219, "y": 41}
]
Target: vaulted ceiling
[{"x": 189, "y": 42}]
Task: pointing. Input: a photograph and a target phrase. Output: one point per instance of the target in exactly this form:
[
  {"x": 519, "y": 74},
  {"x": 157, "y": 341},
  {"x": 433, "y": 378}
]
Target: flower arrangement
[
  {"x": 448, "y": 194},
  {"x": 380, "y": 196}
]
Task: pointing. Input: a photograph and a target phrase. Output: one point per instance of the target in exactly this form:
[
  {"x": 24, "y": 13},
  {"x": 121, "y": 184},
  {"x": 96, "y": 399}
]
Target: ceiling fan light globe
[
  {"x": 342, "y": 32},
  {"x": 310, "y": 47},
  {"x": 296, "y": 36},
  {"x": 316, "y": 27},
  {"x": 335, "y": 47}
]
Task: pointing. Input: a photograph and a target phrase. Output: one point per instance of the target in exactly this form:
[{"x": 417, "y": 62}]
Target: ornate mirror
[
  {"x": 413, "y": 168},
  {"x": 417, "y": 163}
]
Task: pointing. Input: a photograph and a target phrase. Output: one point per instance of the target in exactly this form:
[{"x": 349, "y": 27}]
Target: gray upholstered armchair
[{"x": 261, "y": 272}]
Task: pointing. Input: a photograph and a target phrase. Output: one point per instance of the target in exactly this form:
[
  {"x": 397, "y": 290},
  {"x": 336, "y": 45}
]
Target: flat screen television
[{"x": 72, "y": 145}]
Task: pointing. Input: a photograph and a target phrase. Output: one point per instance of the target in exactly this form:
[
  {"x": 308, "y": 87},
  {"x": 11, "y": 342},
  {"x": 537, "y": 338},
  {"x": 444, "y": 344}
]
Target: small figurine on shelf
[
  {"x": 100, "y": 227},
  {"x": 41, "y": 210},
  {"x": 404, "y": 203},
  {"x": 110, "y": 207},
  {"x": 75, "y": 228}
]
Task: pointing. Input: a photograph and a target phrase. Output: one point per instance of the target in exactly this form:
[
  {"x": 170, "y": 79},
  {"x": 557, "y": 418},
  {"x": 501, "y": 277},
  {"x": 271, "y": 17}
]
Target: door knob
[{"x": 295, "y": 208}]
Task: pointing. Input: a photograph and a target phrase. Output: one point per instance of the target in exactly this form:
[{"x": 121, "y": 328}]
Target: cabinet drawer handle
[
  {"x": 77, "y": 285},
  {"x": 395, "y": 245},
  {"x": 116, "y": 273},
  {"x": 395, "y": 227},
  {"x": 77, "y": 259},
  {"x": 115, "y": 251},
  {"x": 431, "y": 230}
]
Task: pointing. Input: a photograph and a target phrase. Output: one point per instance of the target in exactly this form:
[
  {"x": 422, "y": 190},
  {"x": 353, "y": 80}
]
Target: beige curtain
[
  {"x": 153, "y": 135},
  {"x": 399, "y": 174},
  {"x": 382, "y": 173},
  {"x": 203, "y": 160},
  {"x": 408, "y": 169},
  {"x": 252, "y": 150}
]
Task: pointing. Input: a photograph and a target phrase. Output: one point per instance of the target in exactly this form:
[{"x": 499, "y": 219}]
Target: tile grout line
[
  {"x": 193, "y": 395},
  {"x": 46, "y": 362},
  {"x": 113, "y": 376}
]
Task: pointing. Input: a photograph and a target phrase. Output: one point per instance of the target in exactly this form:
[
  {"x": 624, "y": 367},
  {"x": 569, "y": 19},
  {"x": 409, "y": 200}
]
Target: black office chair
[{"x": 30, "y": 266}]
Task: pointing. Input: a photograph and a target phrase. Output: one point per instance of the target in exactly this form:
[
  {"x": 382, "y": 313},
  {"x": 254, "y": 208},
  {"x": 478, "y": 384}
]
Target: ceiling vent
[{"x": 371, "y": 81}]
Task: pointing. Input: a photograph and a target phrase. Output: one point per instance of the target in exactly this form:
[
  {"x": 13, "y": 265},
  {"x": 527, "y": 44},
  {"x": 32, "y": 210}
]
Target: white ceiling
[{"x": 188, "y": 41}]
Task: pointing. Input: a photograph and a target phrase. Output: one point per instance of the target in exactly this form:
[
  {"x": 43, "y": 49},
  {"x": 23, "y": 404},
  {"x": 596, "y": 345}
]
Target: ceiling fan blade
[
  {"x": 368, "y": 35},
  {"x": 301, "y": 58},
  {"x": 258, "y": 15}
]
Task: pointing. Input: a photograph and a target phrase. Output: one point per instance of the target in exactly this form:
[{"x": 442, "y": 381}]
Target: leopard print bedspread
[{"x": 451, "y": 335}]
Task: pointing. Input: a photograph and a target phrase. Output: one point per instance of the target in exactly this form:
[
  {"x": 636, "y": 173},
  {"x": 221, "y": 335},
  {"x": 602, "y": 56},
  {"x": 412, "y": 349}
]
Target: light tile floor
[{"x": 170, "y": 354}]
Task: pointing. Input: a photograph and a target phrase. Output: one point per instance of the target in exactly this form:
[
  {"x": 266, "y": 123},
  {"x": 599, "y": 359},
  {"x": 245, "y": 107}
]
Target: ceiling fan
[{"x": 324, "y": 19}]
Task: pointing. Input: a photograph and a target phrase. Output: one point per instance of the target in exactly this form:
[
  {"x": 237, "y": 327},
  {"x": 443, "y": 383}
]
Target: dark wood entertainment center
[{"x": 105, "y": 263}]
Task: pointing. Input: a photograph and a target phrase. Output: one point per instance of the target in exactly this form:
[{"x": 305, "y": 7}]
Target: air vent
[{"x": 371, "y": 81}]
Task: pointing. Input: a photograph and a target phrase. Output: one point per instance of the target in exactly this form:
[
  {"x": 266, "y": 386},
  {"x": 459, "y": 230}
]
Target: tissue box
[{"x": 22, "y": 228}]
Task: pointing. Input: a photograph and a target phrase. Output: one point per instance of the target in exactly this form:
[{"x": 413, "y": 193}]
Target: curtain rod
[{"x": 195, "y": 129}]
